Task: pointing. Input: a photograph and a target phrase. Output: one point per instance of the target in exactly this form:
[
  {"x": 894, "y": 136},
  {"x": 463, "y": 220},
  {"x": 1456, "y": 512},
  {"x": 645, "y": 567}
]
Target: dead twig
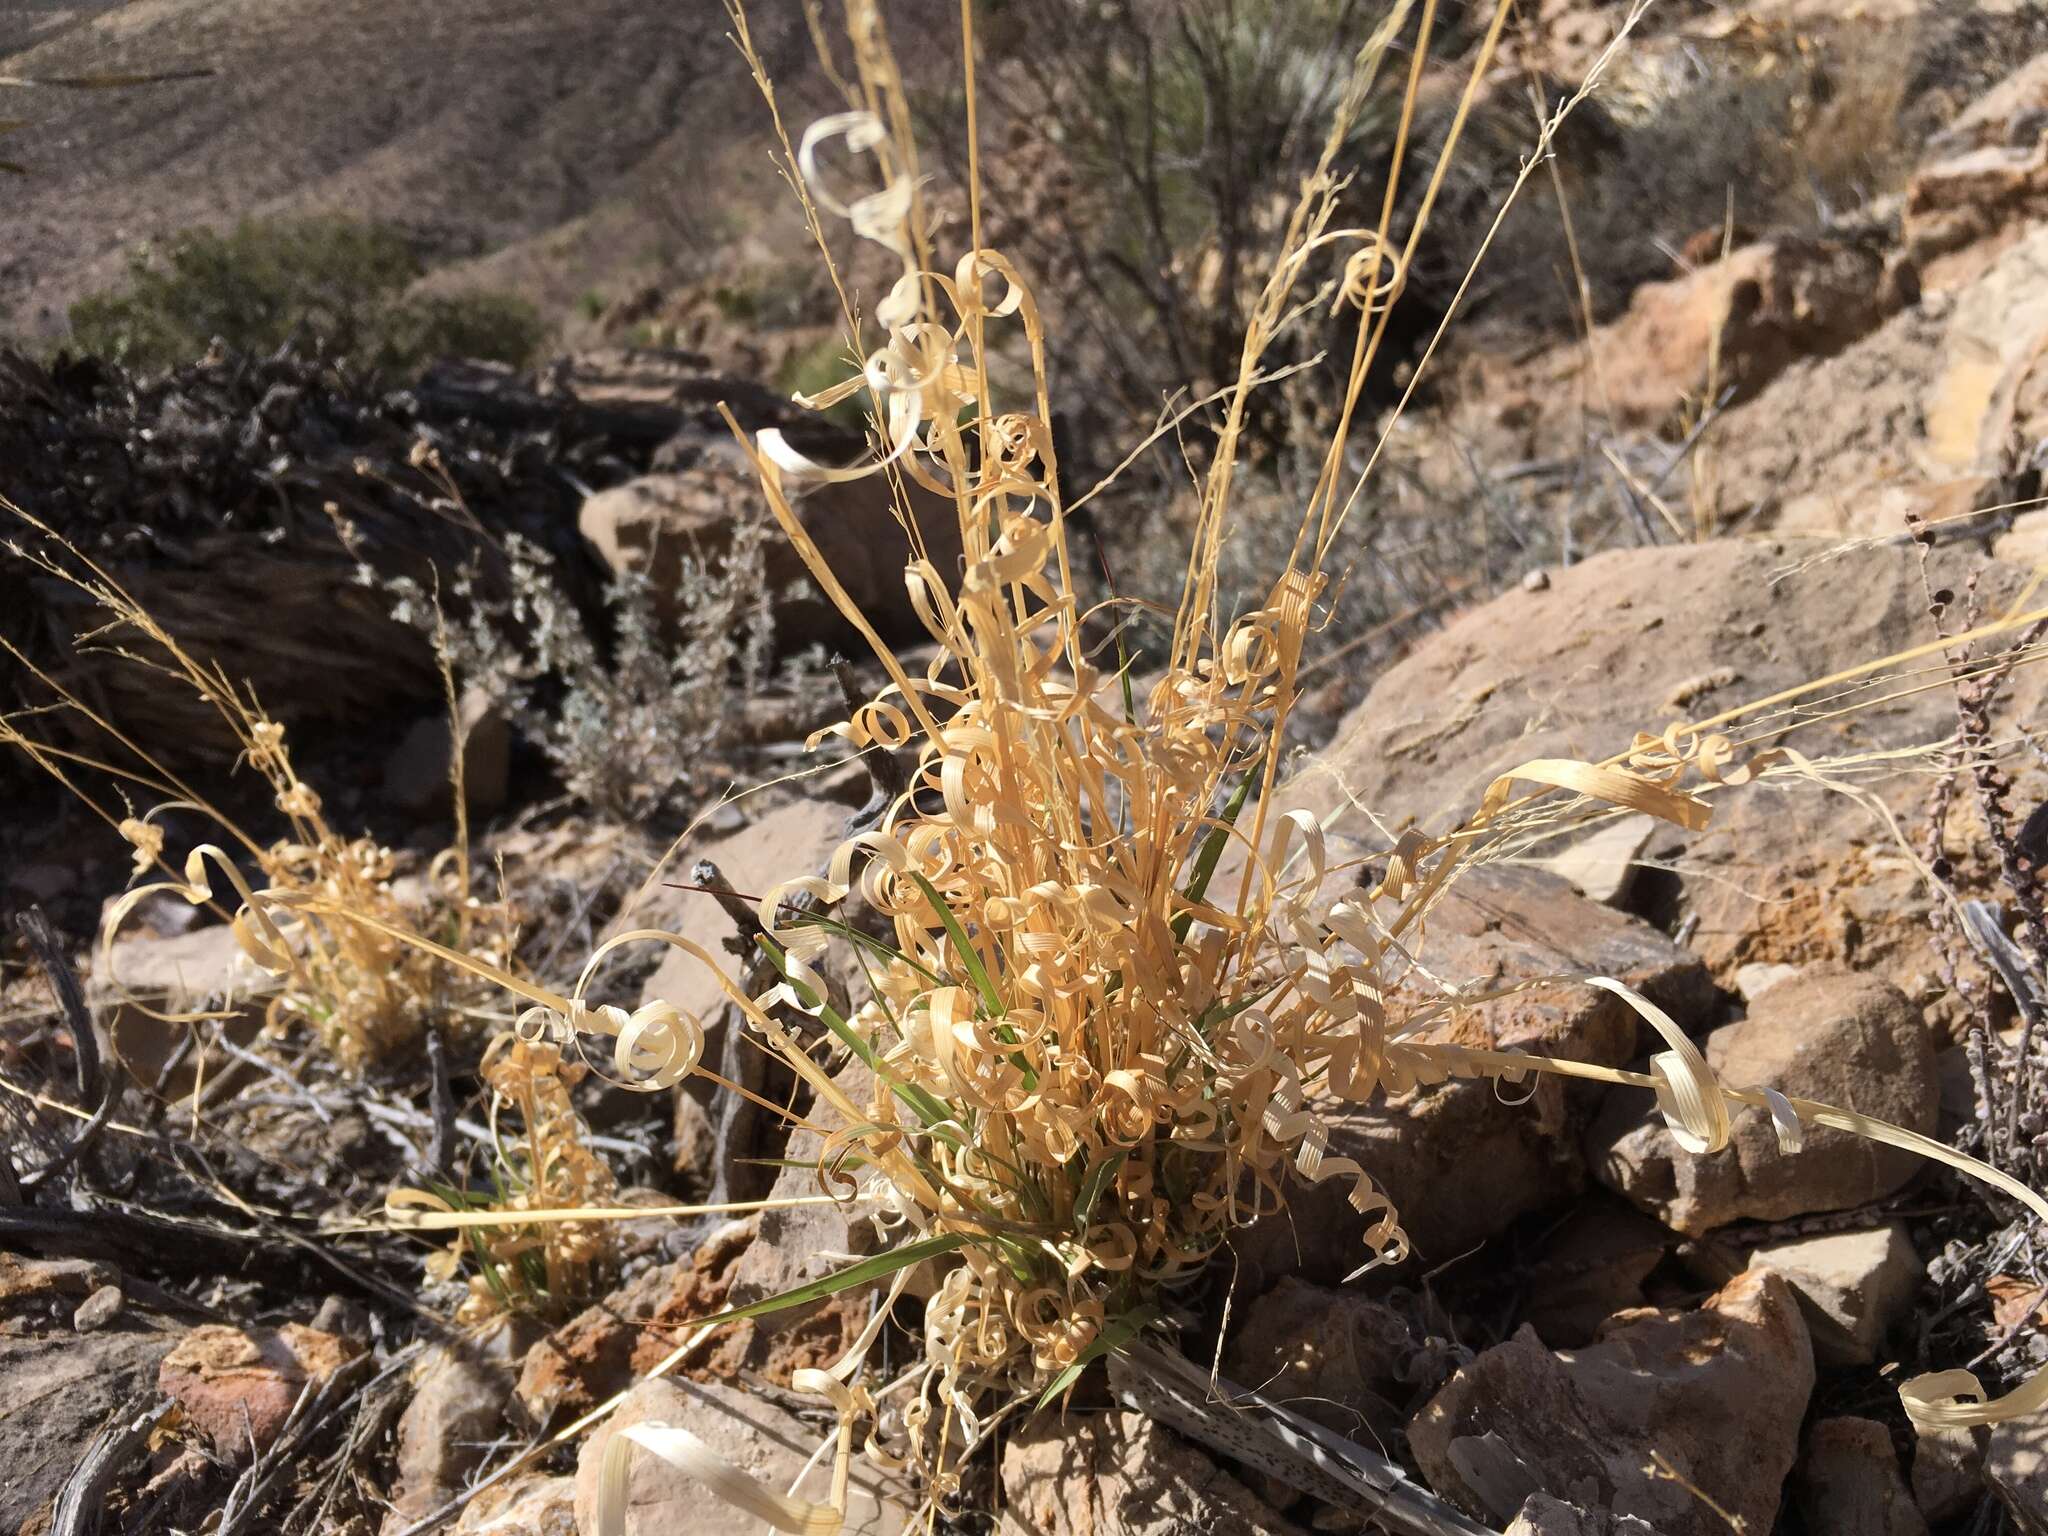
[{"x": 108, "y": 1456}]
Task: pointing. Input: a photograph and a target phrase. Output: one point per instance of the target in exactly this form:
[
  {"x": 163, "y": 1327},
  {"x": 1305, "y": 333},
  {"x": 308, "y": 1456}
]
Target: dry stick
[
  {"x": 35, "y": 929},
  {"x": 441, "y": 1148},
  {"x": 111, "y": 1452}
]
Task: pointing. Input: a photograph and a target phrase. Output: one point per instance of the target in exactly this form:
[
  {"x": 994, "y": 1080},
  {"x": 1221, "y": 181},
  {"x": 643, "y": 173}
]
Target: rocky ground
[{"x": 1799, "y": 447}]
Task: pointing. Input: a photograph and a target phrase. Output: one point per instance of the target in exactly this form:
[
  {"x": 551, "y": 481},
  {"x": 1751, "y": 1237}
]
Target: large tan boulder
[
  {"x": 1988, "y": 401},
  {"x": 1787, "y": 872},
  {"x": 1718, "y": 1391}
]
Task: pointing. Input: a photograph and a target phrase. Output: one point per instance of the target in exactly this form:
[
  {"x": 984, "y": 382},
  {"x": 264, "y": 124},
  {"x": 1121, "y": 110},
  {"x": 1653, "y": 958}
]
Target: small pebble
[
  {"x": 98, "y": 1309},
  {"x": 1536, "y": 581}
]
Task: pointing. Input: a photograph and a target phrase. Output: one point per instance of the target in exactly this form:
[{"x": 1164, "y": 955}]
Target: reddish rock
[
  {"x": 237, "y": 1386},
  {"x": 1739, "y": 321}
]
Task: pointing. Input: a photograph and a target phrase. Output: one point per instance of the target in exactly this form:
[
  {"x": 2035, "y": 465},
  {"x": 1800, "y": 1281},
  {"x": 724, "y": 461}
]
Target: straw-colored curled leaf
[
  {"x": 1600, "y": 781},
  {"x": 691, "y": 1456}
]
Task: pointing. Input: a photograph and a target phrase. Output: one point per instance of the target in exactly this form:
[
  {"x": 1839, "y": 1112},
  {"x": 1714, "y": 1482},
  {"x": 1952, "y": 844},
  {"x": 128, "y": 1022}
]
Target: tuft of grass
[
  {"x": 322, "y": 914},
  {"x": 539, "y": 1162},
  {"x": 341, "y": 284},
  {"x": 1091, "y": 1064}
]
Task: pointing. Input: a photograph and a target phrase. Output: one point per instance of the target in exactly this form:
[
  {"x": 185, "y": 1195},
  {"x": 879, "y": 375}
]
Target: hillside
[{"x": 575, "y": 143}]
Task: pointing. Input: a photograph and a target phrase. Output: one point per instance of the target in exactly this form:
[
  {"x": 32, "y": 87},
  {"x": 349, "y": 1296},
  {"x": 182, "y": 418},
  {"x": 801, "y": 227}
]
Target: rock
[
  {"x": 1458, "y": 1162},
  {"x": 457, "y": 1411},
  {"x": 1819, "y": 448},
  {"x": 604, "y": 1349},
  {"x": 529, "y": 1506},
  {"x": 2026, "y": 542},
  {"x": 236, "y": 1386},
  {"x": 1886, "y": 509},
  {"x": 805, "y": 1242},
  {"x": 1984, "y": 175},
  {"x": 98, "y": 1309},
  {"x": 1335, "y": 1356},
  {"x": 1759, "y": 976},
  {"x": 1591, "y": 1267},
  {"x": 1719, "y": 1392},
  {"x": 1829, "y": 1035},
  {"x": 188, "y": 971},
  {"x": 416, "y": 770},
  {"x": 1853, "y": 1286},
  {"x": 1849, "y": 1483},
  {"x": 1123, "y": 1473},
  {"x": 1787, "y": 871},
  {"x": 1602, "y": 863},
  {"x": 42, "y": 1285},
  {"x": 650, "y": 526},
  {"x": 1541, "y": 1515},
  {"x": 590, "y": 1358},
  {"x": 753, "y": 1435},
  {"x": 1990, "y": 392},
  {"x": 1948, "y": 1471},
  {"x": 2016, "y": 1467},
  {"x": 794, "y": 839},
  {"x": 58, "y": 1391},
  {"x": 1742, "y": 318},
  {"x": 203, "y": 969}
]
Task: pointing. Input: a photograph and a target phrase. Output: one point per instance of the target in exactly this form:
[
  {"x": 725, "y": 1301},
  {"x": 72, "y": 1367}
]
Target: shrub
[
  {"x": 343, "y": 284},
  {"x": 633, "y": 722}
]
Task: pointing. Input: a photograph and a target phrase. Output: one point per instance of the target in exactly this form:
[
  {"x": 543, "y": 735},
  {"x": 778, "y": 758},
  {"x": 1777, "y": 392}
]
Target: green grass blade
[
  {"x": 876, "y": 1268},
  {"x": 969, "y": 955},
  {"x": 1092, "y": 1186},
  {"x": 1212, "y": 853},
  {"x": 928, "y": 1109},
  {"x": 991, "y": 1000}
]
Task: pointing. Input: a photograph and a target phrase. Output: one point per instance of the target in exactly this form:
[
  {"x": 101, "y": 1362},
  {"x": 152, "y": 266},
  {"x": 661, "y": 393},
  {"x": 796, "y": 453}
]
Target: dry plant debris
[
  {"x": 1089, "y": 1066},
  {"x": 1094, "y": 1055}
]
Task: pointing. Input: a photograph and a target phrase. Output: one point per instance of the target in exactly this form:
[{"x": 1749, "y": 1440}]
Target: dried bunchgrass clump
[
  {"x": 326, "y": 918},
  {"x": 540, "y": 1161},
  {"x": 1118, "y": 980},
  {"x": 1093, "y": 1056}
]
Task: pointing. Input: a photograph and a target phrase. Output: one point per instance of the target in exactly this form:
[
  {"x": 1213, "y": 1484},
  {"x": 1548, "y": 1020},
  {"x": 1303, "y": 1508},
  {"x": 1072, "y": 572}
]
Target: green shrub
[{"x": 341, "y": 283}]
